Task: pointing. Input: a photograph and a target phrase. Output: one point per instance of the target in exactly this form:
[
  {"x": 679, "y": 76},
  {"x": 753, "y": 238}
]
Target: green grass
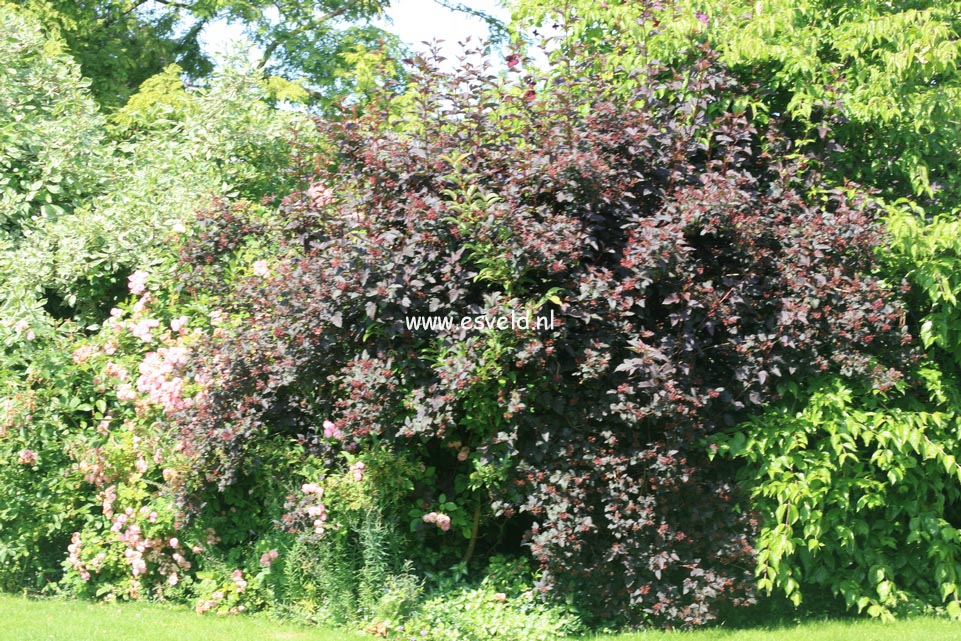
[
  {"x": 919, "y": 629},
  {"x": 53, "y": 620}
]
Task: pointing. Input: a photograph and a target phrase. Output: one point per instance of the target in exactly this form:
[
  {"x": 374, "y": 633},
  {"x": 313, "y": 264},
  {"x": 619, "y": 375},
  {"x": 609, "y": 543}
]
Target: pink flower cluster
[
  {"x": 109, "y": 496},
  {"x": 238, "y": 578},
  {"x": 209, "y": 604},
  {"x": 74, "y": 560},
  {"x": 141, "y": 329},
  {"x": 179, "y": 325},
  {"x": 157, "y": 379},
  {"x": 267, "y": 558},
  {"x": 126, "y": 392},
  {"x": 317, "y": 510},
  {"x": 357, "y": 471},
  {"x": 137, "y": 282},
  {"x": 28, "y": 457},
  {"x": 82, "y": 354},
  {"x": 441, "y": 520},
  {"x": 94, "y": 471},
  {"x": 115, "y": 370},
  {"x": 140, "y": 549},
  {"x": 332, "y": 431}
]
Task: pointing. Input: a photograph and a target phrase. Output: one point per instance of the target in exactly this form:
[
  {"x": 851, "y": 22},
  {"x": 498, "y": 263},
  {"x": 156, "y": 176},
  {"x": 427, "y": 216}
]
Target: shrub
[
  {"x": 484, "y": 614},
  {"x": 857, "y": 495},
  {"x": 690, "y": 262}
]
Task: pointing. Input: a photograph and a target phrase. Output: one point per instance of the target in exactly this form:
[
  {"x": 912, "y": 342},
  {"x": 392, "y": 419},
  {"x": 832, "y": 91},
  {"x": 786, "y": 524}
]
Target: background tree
[{"x": 121, "y": 43}]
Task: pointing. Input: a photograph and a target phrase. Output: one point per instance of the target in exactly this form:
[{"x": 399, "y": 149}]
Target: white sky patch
[{"x": 414, "y": 21}]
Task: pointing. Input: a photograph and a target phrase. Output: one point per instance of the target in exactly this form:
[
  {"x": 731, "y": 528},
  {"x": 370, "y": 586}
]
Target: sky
[{"x": 413, "y": 21}]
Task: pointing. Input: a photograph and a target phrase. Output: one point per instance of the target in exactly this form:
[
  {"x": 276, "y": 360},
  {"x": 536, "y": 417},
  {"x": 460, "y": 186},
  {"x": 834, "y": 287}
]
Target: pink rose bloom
[
  {"x": 137, "y": 282},
  {"x": 443, "y": 522},
  {"x": 500, "y": 597},
  {"x": 142, "y": 329},
  {"x": 27, "y": 457},
  {"x": 174, "y": 542},
  {"x": 172, "y": 579},
  {"x": 178, "y": 324},
  {"x": 238, "y": 578},
  {"x": 115, "y": 370},
  {"x": 141, "y": 304},
  {"x": 430, "y": 517},
  {"x": 82, "y": 354}
]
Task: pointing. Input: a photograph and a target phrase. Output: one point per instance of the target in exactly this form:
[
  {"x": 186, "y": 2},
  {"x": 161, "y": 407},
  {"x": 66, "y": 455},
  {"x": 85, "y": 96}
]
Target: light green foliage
[
  {"x": 929, "y": 254},
  {"x": 52, "y": 147},
  {"x": 890, "y": 67},
  {"x": 120, "y": 43},
  {"x": 162, "y": 101},
  {"x": 859, "y": 497},
  {"x": 176, "y": 151},
  {"x": 503, "y": 606}
]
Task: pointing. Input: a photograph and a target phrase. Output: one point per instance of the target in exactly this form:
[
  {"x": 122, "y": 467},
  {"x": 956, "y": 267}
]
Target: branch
[
  {"x": 311, "y": 24},
  {"x": 172, "y": 3},
  {"x": 114, "y": 18}
]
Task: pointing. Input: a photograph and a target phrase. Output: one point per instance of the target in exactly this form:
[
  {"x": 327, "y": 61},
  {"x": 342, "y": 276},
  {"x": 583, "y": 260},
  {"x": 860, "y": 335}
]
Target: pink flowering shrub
[{"x": 89, "y": 488}]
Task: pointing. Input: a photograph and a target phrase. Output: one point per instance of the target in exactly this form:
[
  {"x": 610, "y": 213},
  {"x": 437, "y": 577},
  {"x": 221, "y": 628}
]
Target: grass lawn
[
  {"x": 52, "y": 620},
  {"x": 920, "y": 629}
]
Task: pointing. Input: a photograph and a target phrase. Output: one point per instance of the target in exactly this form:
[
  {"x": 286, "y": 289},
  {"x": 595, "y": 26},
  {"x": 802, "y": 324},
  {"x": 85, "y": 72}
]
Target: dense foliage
[
  {"x": 688, "y": 262},
  {"x": 879, "y": 79},
  {"x": 608, "y": 339}
]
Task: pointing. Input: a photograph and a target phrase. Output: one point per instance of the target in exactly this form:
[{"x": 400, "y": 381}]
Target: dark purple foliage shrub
[{"x": 691, "y": 264}]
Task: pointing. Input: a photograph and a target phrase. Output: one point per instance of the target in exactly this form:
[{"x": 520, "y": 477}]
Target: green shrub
[{"x": 503, "y": 606}]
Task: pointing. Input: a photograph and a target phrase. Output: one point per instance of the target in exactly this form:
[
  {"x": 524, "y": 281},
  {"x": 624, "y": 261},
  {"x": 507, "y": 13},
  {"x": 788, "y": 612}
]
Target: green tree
[{"x": 121, "y": 43}]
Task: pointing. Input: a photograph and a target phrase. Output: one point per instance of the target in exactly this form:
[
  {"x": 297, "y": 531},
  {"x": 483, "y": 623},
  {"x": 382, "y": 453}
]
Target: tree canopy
[{"x": 121, "y": 43}]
